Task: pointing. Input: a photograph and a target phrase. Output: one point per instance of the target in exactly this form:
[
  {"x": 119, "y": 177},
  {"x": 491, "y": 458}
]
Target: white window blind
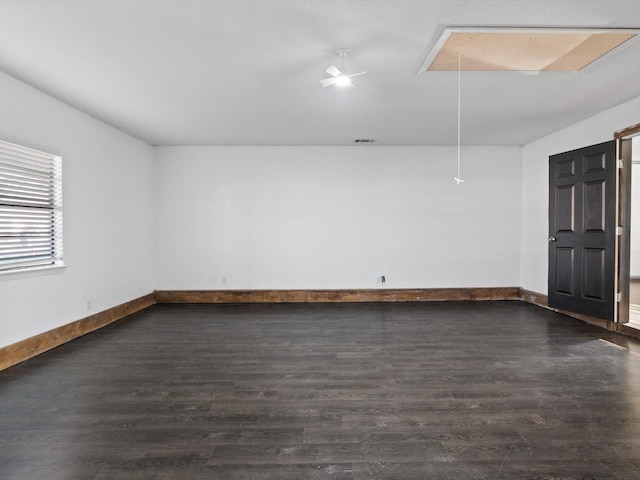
[{"x": 30, "y": 208}]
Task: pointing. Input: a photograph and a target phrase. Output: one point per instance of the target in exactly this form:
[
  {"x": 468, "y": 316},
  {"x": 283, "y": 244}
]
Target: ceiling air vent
[{"x": 364, "y": 140}]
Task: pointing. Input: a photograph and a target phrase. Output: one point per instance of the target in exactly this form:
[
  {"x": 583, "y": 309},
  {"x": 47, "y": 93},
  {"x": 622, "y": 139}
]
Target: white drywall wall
[
  {"x": 337, "y": 217},
  {"x": 535, "y": 183},
  {"x": 108, "y": 216}
]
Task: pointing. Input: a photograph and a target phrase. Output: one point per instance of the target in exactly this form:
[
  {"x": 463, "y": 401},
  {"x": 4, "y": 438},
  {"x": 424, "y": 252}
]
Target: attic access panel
[{"x": 523, "y": 49}]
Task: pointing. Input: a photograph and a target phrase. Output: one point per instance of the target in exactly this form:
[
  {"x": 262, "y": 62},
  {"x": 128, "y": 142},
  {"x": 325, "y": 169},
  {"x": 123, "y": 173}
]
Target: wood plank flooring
[{"x": 491, "y": 390}]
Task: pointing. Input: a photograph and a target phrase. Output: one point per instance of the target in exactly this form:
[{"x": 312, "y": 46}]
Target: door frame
[{"x": 623, "y": 219}]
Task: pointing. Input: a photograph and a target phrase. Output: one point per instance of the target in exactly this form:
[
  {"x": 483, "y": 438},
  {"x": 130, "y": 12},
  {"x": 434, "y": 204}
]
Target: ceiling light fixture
[{"x": 342, "y": 81}]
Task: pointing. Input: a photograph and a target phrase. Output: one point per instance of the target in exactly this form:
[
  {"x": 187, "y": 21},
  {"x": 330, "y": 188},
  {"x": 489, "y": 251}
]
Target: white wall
[
  {"x": 535, "y": 188},
  {"x": 108, "y": 216},
  {"x": 337, "y": 217}
]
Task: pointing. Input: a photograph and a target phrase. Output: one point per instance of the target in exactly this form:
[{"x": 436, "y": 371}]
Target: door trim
[
  {"x": 627, "y": 132},
  {"x": 623, "y": 219},
  {"x": 623, "y": 245}
]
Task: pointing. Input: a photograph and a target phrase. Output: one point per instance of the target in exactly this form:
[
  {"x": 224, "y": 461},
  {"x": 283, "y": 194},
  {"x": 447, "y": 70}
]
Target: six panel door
[{"x": 582, "y": 230}]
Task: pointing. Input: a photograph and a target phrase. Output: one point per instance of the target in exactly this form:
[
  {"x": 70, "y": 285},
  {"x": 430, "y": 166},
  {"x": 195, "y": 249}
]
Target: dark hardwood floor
[{"x": 343, "y": 391}]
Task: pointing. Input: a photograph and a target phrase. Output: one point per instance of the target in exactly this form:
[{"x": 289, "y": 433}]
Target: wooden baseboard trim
[
  {"x": 541, "y": 300},
  {"x": 535, "y": 298},
  {"x": 630, "y": 331},
  {"x": 338, "y": 296},
  {"x": 30, "y": 347}
]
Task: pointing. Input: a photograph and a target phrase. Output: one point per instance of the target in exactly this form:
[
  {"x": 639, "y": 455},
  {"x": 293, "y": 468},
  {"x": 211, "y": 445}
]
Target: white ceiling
[{"x": 236, "y": 72}]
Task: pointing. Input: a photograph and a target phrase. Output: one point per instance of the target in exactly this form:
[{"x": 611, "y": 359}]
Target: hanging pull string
[{"x": 458, "y": 179}]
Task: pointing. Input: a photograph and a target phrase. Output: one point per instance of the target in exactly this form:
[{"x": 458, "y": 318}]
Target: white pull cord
[{"x": 458, "y": 179}]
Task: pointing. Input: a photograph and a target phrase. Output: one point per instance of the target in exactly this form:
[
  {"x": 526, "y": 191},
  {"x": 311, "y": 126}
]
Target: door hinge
[
  {"x": 620, "y": 163},
  {"x": 619, "y": 297},
  {"x": 619, "y": 231}
]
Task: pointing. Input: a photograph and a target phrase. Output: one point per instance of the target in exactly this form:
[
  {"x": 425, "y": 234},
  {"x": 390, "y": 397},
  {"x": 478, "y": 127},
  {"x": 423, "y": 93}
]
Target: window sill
[{"x": 31, "y": 272}]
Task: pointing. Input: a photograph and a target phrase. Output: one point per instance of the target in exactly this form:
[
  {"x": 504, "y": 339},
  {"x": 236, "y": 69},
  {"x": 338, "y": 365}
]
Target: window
[{"x": 30, "y": 208}]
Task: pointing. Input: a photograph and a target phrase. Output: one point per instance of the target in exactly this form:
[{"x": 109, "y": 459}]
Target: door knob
[{"x": 552, "y": 239}]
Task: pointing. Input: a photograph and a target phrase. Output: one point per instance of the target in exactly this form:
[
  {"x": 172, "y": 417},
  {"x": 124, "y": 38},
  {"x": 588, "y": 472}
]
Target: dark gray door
[{"x": 582, "y": 233}]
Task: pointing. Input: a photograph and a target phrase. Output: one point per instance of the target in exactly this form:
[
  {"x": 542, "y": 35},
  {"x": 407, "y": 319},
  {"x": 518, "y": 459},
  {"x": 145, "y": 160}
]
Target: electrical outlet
[
  {"x": 381, "y": 280},
  {"x": 224, "y": 280},
  {"x": 89, "y": 304}
]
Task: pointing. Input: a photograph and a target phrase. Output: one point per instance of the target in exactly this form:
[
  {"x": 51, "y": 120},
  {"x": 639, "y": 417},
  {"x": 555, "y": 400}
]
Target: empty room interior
[{"x": 351, "y": 240}]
